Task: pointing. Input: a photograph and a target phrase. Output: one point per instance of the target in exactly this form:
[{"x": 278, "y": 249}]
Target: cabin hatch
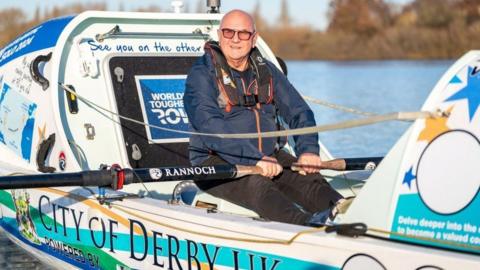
[{"x": 150, "y": 89}]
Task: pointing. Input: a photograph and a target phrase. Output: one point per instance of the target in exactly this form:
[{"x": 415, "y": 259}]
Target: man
[{"x": 232, "y": 89}]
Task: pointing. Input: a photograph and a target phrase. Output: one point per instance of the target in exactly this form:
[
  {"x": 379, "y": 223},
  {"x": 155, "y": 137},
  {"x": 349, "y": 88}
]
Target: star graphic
[
  {"x": 455, "y": 79},
  {"x": 434, "y": 126},
  {"x": 41, "y": 133},
  {"x": 471, "y": 92},
  {"x": 408, "y": 178}
]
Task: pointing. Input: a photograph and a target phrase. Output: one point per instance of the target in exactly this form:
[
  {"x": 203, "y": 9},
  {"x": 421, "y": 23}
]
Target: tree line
[
  {"x": 357, "y": 29},
  {"x": 378, "y": 29}
]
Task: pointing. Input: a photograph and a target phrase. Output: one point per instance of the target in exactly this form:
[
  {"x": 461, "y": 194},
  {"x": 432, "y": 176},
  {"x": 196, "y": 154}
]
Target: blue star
[
  {"x": 471, "y": 92},
  {"x": 408, "y": 178}
]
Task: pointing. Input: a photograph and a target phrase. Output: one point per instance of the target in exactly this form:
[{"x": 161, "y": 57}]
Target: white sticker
[{"x": 155, "y": 173}]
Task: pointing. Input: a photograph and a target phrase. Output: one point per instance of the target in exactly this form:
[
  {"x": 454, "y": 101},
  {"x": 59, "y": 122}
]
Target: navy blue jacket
[{"x": 205, "y": 116}]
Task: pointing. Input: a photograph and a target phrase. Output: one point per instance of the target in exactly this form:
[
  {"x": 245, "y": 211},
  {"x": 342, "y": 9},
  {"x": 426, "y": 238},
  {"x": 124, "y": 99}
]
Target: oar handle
[
  {"x": 334, "y": 164},
  {"x": 344, "y": 164},
  {"x": 243, "y": 170}
]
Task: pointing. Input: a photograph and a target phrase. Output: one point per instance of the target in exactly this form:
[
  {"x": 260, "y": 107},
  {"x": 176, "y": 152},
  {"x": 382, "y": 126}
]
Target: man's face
[{"x": 237, "y": 48}]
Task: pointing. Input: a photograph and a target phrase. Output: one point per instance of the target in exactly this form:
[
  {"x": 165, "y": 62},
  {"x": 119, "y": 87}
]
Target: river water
[{"x": 371, "y": 86}]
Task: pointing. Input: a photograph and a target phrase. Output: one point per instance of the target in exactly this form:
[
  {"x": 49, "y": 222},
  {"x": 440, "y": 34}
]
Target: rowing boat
[{"x": 95, "y": 175}]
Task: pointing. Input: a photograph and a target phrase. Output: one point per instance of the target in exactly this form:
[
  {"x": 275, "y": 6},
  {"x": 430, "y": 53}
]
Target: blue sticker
[
  {"x": 17, "y": 121},
  {"x": 162, "y": 107},
  {"x": 38, "y": 38},
  {"x": 469, "y": 92},
  {"x": 416, "y": 223}
]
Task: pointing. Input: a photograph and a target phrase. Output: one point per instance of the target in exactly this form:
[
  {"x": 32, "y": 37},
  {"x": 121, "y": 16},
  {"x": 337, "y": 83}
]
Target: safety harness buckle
[{"x": 250, "y": 100}]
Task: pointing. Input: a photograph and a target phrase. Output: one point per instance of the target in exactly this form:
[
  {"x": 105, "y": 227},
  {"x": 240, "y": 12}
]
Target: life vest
[{"x": 260, "y": 90}]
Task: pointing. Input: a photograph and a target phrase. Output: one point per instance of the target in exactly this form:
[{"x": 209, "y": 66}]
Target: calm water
[
  {"x": 374, "y": 86},
  {"x": 371, "y": 86}
]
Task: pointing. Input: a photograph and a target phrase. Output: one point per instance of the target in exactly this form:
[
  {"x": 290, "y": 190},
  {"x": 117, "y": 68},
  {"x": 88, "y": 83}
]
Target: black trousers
[{"x": 289, "y": 197}]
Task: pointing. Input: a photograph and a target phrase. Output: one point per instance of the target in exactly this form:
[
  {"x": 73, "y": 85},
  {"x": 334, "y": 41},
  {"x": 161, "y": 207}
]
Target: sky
[{"x": 302, "y": 12}]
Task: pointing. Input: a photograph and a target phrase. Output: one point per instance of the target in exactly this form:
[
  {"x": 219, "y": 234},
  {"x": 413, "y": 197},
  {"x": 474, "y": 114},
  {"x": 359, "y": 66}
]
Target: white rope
[
  {"x": 337, "y": 107},
  {"x": 403, "y": 116}
]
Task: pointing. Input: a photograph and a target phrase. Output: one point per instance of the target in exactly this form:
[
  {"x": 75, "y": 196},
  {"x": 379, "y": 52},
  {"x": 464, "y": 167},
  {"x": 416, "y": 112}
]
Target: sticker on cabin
[
  {"x": 162, "y": 107},
  {"x": 439, "y": 198},
  {"x": 17, "y": 121},
  {"x": 62, "y": 161}
]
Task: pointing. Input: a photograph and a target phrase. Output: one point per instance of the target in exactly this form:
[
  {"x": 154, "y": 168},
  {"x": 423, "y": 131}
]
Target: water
[{"x": 373, "y": 86}]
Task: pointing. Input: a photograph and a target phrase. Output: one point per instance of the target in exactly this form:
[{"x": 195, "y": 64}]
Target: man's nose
[{"x": 235, "y": 37}]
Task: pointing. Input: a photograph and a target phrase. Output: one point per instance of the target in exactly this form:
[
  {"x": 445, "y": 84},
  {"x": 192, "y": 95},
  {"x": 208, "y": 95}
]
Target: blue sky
[{"x": 311, "y": 12}]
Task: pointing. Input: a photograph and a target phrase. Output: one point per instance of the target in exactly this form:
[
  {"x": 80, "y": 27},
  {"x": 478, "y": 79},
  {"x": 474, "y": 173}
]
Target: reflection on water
[
  {"x": 13, "y": 257},
  {"x": 373, "y": 86}
]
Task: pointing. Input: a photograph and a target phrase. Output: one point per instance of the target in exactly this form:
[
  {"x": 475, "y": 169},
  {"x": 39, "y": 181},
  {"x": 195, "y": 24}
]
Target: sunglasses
[{"x": 242, "y": 35}]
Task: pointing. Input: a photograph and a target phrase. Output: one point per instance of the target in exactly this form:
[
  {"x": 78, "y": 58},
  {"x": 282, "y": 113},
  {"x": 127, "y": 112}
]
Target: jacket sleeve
[
  {"x": 205, "y": 116},
  {"x": 295, "y": 111}
]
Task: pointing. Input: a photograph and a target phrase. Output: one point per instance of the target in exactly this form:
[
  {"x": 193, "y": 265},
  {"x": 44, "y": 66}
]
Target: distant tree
[
  {"x": 121, "y": 6},
  {"x": 13, "y": 20},
  {"x": 186, "y": 7},
  {"x": 151, "y": 8},
  {"x": 471, "y": 9},
  {"x": 284, "y": 14},
  {"x": 36, "y": 15},
  {"x": 257, "y": 17},
  {"x": 364, "y": 17},
  {"x": 434, "y": 13},
  {"x": 200, "y": 7}
]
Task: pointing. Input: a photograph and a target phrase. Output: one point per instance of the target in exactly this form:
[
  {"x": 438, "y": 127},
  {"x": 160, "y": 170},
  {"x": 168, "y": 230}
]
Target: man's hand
[
  {"x": 270, "y": 167},
  {"x": 309, "y": 163}
]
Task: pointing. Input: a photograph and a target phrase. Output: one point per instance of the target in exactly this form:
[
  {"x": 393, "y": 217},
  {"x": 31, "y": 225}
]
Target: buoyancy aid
[{"x": 260, "y": 90}]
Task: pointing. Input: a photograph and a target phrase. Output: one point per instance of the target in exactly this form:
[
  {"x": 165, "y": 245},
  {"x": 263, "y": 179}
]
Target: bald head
[
  {"x": 237, "y": 37},
  {"x": 240, "y": 18}
]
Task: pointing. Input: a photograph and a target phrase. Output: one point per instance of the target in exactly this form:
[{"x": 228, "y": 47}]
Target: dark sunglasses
[{"x": 242, "y": 35}]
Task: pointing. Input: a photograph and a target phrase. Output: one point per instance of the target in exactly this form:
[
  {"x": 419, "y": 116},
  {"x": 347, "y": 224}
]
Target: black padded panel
[{"x": 129, "y": 105}]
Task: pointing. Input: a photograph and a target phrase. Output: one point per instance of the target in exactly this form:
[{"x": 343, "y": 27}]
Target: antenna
[{"x": 213, "y": 6}]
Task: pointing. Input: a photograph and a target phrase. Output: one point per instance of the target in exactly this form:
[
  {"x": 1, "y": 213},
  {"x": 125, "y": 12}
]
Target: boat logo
[
  {"x": 26, "y": 226},
  {"x": 370, "y": 166},
  {"x": 155, "y": 173},
  {"x": 62, "y": 162}
]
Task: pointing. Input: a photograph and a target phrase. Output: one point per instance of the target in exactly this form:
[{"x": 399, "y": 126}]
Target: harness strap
[{"x": 262, "y": 84}]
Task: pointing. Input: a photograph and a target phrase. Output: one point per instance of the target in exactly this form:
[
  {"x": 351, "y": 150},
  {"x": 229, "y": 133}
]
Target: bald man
[{"x": 233, "y": 89}]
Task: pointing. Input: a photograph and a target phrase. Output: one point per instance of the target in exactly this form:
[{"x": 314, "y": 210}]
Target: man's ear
[{"x": 254, "y": 40}]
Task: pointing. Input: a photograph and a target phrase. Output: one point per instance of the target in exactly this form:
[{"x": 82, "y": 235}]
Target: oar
[
  {"x": 116, "y": 178},
  {"x": 344, "y": 164}
]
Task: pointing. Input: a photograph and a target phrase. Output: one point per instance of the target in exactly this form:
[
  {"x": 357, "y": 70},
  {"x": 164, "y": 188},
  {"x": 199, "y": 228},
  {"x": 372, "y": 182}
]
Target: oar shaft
[
  {"x": 117, "y": 178},
  {"x": 86, "y": 178},
  {"x": 198, "y": 173},
  {"x": 363, "y": 163}
]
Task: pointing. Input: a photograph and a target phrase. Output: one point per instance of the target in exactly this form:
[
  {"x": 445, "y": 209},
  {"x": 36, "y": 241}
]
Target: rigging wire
[{"x": 374, "y": 118}]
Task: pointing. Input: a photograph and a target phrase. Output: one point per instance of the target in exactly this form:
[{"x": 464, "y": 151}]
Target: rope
[
  {"x": 403, "y": 116},
  {"x": 337, "y": 107}
]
